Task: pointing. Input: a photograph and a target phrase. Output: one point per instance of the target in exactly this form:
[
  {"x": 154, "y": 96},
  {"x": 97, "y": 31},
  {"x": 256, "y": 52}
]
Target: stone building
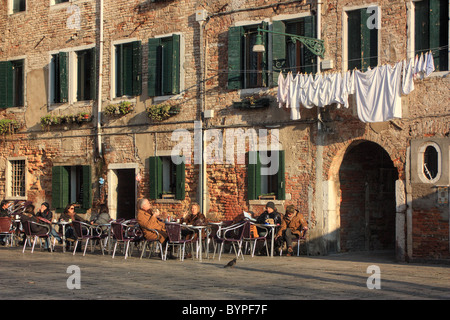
[{"x": 165, "y": 81}]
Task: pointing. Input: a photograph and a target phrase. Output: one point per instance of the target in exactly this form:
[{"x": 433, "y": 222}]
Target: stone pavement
[{"x": 44, "y": 275}]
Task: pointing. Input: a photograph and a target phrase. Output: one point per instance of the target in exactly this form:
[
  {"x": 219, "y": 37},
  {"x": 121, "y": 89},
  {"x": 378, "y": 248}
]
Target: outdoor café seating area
[{"x": 125, "y": 238}]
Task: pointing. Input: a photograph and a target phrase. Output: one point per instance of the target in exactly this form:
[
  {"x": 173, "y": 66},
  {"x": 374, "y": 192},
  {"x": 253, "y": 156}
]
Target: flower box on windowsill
[
  {"x": 267, "y": 197},
  {"x": 252, "y": 103}
]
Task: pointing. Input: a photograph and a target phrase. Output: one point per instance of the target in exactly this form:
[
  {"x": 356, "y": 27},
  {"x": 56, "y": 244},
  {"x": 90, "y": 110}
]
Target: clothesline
[{"x": 377, "y": 90}]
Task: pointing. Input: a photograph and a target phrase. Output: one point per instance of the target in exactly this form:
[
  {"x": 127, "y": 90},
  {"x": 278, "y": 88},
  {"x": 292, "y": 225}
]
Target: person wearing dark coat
[{"x": 40, "y": 228}]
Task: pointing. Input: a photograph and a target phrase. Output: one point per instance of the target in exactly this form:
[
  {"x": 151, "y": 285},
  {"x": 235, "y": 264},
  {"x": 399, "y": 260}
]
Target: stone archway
[{"x": 367, "y": 210}]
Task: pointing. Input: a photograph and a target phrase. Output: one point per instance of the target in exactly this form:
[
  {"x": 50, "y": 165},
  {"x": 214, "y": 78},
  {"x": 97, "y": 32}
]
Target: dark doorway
[
  {"x": 367, "y": 212},
  {"x": 126, "y": 194}
]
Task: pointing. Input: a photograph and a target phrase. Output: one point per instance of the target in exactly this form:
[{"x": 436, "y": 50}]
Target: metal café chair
[
  {"x": 78, "y": 228},
  {"x": 7, "y": 229},
  {"x": 151, "y": 244},
  {"x": 125, "y": 234},
  {"x": 26, "y": 225},
  {"x": 175, "y": 239},
  {"x": 252, "y": 239},
  {"x": 232, "y": 234}
]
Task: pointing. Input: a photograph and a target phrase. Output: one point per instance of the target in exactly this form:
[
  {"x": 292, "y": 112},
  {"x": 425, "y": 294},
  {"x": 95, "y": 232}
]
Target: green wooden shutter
[
  {"x": 369, "y": 42},
  {"x": 174, "y": 79},
  {"x": 278, "y": 51},
  {"x": 155, "y": 177},
  {"x": 93, "y": 73},
  {"x": 180, "y": 191},
  {"x": 281, "y": 187},
  {"x": 6, "y": 84},
  {"x": 136, "y": 68},
  {"x": 64, "y": 76},
  {"x": 309, "y": 58},
  {"x": 119, "y": 71},
  {"x": 153, "y": 78},
  {"x": 87, "y": 186},
  {"x": 438, "y": 33},
  {"x": 235, "y": 35},
  {"x": 265, "y": 54},
  {"x": 127, "y": 69},
  {"x": 254, "y": 175},
  {"x": 354, "y": 40},
  {"x": 421, "y": 26},
  {"x": 60, "y": 187}
]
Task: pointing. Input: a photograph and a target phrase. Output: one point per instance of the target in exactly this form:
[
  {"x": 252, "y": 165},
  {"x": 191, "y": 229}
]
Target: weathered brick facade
[{"x": 323, "y": 179}]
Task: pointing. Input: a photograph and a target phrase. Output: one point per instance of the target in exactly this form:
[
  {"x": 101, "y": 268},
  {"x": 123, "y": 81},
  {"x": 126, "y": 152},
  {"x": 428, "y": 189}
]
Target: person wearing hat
[
  {"x": 292, "y": 225},
  {"x": 269, "y": 216},
  {"x": 44, "y": 215}
]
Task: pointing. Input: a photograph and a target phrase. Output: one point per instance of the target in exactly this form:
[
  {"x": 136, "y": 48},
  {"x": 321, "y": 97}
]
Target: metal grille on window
[{"x": 18, "y": 178}]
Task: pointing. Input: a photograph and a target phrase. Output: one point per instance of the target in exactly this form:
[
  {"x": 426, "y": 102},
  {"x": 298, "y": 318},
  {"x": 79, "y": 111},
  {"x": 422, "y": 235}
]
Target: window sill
[
  {"x": 168, "y": 201},
  {"x": 264, "y": 202}
]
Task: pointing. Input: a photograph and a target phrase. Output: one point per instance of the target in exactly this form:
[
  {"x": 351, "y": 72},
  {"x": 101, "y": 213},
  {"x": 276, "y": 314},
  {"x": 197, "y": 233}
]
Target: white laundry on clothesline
[{"x": 386, "y": 81}]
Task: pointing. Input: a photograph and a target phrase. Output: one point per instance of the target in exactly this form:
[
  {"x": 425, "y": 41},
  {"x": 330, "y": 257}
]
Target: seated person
[
  {"x": 102, "y": 217},
  {"x": 4, "y": 208},
  {"x": 195, "y": 217},
  {"x": 292, "y": 225},
  {"x": 269, "y": 216},
  {"x": 147, "y": 218},
  {"x": 40, "y": 228},
  {"x": 45, "y": 215},
  {"x": 69, "y": 215}
]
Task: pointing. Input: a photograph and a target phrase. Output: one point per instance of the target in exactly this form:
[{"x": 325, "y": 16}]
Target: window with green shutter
[
  {"x": 59, "y": 67},
  {"x": 260, "y": 183},
  {"x": 289, "y": 55},
  {"x": 164, "y": 66},
  {"x": 362, "y": 42},
  {"x": 6, "y": 84},
  {"x": 431, "y": 30},
  {"x": 86, "y": 74},
  {"x": 246, "y": 69},
  {"x": 19, "y": 5},
  {"x": 166, "y": 178},
  {"x": 12, "y": 79},
  {"x": 128, "y": 69},
  {"x": 71, "y": 184}
]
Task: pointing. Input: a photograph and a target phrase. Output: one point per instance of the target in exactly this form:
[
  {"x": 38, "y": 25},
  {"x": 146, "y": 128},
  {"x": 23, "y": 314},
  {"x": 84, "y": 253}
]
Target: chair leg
[
  {"x": 115, "y": 247},
  {"x": 85, "y": 246},
  {"x": 144, "y": 248},
  {"x": 25, "y": 244},
  {"x": 34, "y": 243},
  {"x": 220, "y": 252},
  {"x": 75, "y": 249},
  {"x": 127, "y": 248}
]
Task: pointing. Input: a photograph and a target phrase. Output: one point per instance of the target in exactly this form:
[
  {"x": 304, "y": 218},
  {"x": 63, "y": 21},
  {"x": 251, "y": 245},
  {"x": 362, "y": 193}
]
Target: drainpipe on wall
[{"x": 100, "y": 79}]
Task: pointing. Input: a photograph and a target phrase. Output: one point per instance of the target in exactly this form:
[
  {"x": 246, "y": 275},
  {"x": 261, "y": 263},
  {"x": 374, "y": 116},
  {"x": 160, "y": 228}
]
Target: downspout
[
  {"x": 100, "y": 79},
  {"x": 202, "y": 171}
]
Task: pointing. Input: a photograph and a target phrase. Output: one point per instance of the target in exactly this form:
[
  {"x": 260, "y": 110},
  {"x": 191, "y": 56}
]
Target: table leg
[
  {"x": 200, "y": 243},
  {"x": 272, "y": 242},
  {"x": 64, "y": 237}
]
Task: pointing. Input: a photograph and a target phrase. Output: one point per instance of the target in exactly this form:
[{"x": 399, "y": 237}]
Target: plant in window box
[
  {"x": 122, "y": 108},
  {"x": 50, "y": 120},
  {"x": 83, "y": 117},
  {"x": 162, "y": 112},
  {"x": 267, "y": 196},
  {"x": 8, "y": 126},
  {"x": 252, "y": 102}
]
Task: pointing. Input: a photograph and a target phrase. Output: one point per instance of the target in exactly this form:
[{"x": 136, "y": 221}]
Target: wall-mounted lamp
[{"x": 259, "y": 47}]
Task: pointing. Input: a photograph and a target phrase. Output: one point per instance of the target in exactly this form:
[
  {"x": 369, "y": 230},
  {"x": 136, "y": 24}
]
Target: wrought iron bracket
[{"x": 316, "y": 46}]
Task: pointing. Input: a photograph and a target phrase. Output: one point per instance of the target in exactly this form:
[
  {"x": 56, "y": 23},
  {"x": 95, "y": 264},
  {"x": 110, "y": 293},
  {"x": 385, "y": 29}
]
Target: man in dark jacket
[
  {"x": 4, "y": 209},
  {"x": 269, "y": 216}
]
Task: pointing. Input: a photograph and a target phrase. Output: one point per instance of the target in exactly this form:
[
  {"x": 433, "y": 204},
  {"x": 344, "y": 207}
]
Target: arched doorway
[{"x": 367, "y": 187}]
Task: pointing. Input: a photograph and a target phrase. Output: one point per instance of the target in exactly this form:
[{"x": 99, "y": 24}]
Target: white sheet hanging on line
[
  {"x": 283, "y": 90},
  {"x": 378, "y": 93},
  {"x": 408, "y": 76},
  {"x": 429, "y": 66},
  {"x": 294, "y": 97}
]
